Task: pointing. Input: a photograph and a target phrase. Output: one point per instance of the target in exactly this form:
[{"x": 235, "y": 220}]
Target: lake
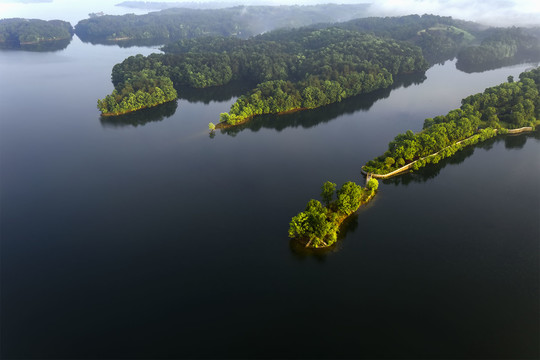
[{"x": 145, "y": 237}]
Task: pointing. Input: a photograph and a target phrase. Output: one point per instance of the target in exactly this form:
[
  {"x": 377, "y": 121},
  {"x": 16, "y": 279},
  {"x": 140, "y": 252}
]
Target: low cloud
[{"x": 491, "y": 12}]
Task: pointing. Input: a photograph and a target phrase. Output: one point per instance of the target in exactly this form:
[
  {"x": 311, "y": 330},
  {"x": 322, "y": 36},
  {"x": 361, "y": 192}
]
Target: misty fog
[{"x": 493, "y": 12}]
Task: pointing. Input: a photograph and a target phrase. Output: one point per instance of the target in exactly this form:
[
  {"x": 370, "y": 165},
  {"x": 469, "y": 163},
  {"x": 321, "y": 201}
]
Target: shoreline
[
  {"x": 306, "y": 242},
  {"x": 224, "y": 125},
  {"x": 130, "y": 111},
  {"x": 407, "y": 167}
]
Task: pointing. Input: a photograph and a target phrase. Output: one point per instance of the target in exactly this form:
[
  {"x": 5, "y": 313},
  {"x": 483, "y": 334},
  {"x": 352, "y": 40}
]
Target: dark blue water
[{"x": 144, "y": 237}]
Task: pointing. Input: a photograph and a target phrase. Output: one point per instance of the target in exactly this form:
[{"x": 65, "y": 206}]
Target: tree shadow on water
[
  {"x": 313, "y": 117},
  {"x": 42, "y": 46},
  {"x": 301, "y": 252},
  {"x": 140, "y": 117},
  {"x": 431, "y": 171},
  {"x": 216, "y": 93}
]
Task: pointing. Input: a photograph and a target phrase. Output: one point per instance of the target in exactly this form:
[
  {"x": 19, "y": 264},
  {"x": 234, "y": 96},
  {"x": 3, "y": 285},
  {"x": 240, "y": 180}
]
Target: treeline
[
  {"x": 183, "y": 23},
  {"x": 18, "y": 33},
  {"x": 144, "y": 89},
  {"x": 320, "y": 67},
  {"x": 294, "y": 69},
  {"x": 307, "y": 67},
  {"x": 501, "y": 46},
  {"x": 440, "y": 37},
  {"x": 507, "y": 106},
  {"x": 318, "y": 225}
]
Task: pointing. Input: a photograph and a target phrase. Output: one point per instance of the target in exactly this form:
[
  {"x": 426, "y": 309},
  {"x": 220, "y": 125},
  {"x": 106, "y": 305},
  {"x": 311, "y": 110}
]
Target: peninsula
[
  {"x": 512, "y": 107},
  {"x": 507, "y": 108}
]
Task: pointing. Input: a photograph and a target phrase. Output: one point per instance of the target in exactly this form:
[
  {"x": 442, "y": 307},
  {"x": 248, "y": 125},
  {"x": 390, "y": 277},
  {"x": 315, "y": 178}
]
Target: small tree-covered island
[{"x": 318, "y": 225}]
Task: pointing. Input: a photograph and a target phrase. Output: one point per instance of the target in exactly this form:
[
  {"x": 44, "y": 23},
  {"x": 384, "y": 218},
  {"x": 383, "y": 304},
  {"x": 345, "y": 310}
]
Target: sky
[{"x": 489, "y": 12}]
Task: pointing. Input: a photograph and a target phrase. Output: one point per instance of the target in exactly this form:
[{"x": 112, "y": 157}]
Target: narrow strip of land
[{"x": 411, "y": 165}]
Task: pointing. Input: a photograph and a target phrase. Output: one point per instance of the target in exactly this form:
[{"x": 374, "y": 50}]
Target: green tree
[
  {"x": 349, "y": 197},
  {"x": 372, "y": 185},
  {"x": 327, "y": 193}
]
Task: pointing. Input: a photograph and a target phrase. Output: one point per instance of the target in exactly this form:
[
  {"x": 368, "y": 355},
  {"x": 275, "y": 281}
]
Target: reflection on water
[
  {"x": 495, "y": 64},
  {"x": 123, "y": 43},
  {"x": 215, "y": 93},
  {"x": 140, "y": 117},
  {"x": 314, "y": 117},
  {"x": 518, "y": 141},
  {"x": 432, "y": 170},
  {"x": 301, "y": 252},
  {"x": 44, "y": 46}
]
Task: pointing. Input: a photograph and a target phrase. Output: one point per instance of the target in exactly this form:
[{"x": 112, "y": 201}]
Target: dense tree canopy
[
  {"x": 17, "y": 33},
  {"x": 318, "y": 225},
  {"x": 500, "y": 47},
  {"x": 320, "y": 67},
  {"x": 305, "y": 68},
  {"x": 294, "y": 69},
  {"x": 183, "y": 23},
  {"x": 144, "y": 89},
  {"x": 440, "y": 37},
  {"x": 507, "y": 106}
]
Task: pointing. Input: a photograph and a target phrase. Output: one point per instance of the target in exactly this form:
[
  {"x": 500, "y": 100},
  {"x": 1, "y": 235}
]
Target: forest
[
  {"x": 439, "y": 37},
  {"x": 184, "y": 23},
  {"x": 318, "y": 225},
  {"x": 511, "y": 105},
  {"x": 293, "y": 69},
  {"x": 17, "y": 33},
  {"x": 500, "y": 47},
  {"x": 312, "y": 66},
  {"x": 144, "y": 89}
]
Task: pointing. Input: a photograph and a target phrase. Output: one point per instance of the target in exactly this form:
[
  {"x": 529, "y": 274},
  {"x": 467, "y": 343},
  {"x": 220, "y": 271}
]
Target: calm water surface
[{"x": 143, "y": 237}]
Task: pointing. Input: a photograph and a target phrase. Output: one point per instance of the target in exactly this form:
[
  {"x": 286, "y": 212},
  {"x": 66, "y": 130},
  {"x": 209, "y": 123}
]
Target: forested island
[
  {"x": 293, "y": 69},
  {"x": 185, "y": 23},
  {"x": 498, "y": 110},
  {"x": 20, "y": 33},
  {"x": 318, "y": 225},
  {"x": 304, "y": 68}
]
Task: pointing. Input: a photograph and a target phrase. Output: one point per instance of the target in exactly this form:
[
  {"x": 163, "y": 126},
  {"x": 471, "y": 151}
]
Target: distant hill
[
  {"x": 20, "y": 33},
  {"x": 151, "y": 5},
  {"x": 183, "y": 23}
]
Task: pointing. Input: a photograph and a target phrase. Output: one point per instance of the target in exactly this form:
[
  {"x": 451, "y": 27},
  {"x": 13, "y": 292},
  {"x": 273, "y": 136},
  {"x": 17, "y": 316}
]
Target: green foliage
[
  {"x": 144, "y": 89},
  {"x": 294, "y": 69},
  {"x": 184, "y": 23},
  {"x": 500, "y": 47},
  {"x": 304, "y": 69},
  {"x": 211, "y": 126},
  {"x": 16, "y": 32},
  {"x": 439, "y": 37},
  {"x": 318, "y": 225},
  {"x": 349, "y": 197},
  {"x": 372, "y": 185},
  {"x": 327, "y": 192},
  {"x": 509, "y": 105}
]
